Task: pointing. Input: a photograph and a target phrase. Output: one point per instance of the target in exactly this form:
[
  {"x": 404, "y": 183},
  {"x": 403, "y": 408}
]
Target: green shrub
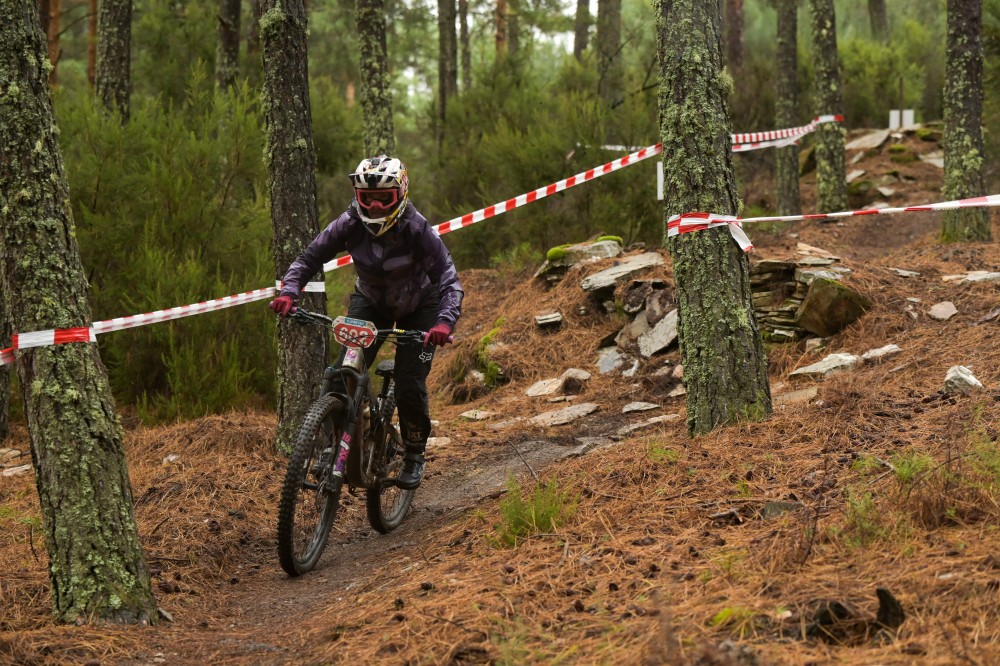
[{"x": 539, "y": 511}]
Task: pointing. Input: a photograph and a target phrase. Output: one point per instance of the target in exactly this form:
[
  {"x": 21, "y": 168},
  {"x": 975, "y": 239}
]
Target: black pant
[{"x": 413, "y": 363}]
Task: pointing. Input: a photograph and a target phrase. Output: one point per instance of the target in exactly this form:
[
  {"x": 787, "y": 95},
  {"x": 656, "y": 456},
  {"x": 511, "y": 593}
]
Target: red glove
[
  {"x": 440, "y": 334},
  {"x": 282, "y": 305}
]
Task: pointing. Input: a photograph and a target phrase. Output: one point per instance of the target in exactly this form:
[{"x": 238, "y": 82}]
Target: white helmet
[{"x": 380, "y": 192}]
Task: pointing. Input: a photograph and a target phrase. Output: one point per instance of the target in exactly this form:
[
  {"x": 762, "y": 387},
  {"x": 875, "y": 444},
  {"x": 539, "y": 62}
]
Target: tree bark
[
  {"x": 227, "y": 58},
  {"x": 378, "y": 132},
  {"x": 581, "y": 28},
  {"x": 291, "y": 162},
  {"x": 964, "y": 151},
  {"x": 725, "y": 370},
  {"x": 831, "y": 182},
  {"x": 96, "y": 568},
  {"x": 786, "y": 106},
  {"x": 513, "y": 27},
  {"x": 91, "y": 42},
  {"x": 734, "y": 34},
  {"x": 465, "y": 52},
  {"x": 4, "y": 369},
  {"x": 879, "y": 20},
  {"x": 609, "y": 46},
  {"x": 114, "y": 56}
]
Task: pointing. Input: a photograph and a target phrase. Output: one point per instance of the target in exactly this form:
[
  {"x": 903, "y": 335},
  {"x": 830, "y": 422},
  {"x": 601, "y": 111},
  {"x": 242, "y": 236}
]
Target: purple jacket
[{"x": 396, "y": 272}]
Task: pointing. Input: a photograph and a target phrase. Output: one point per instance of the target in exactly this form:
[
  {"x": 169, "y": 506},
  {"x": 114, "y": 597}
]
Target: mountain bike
[{"x": 349, "y": 436}]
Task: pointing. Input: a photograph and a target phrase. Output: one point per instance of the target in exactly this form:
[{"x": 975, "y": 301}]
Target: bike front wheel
[
  {"x": 310, "y": 494},
  {"x": 388, "y": 504}
]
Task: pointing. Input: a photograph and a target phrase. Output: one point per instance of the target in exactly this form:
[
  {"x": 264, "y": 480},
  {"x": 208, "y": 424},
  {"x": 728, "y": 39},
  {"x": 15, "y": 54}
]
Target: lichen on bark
[
  {"x": 786, "y": 159},
  {"x": 291, "y": 161},
  {"x": 831, "y": 180},
  {"x": 378, "y": 130},
  {"x": 725, "y": 371},
  {"x": 964, "y": 148},
  {"x": 96, "y": 567}
]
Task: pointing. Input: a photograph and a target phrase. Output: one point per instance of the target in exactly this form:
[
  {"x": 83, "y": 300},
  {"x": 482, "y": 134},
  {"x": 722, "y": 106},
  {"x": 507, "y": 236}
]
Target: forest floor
[{"x": 759, "y": 543}]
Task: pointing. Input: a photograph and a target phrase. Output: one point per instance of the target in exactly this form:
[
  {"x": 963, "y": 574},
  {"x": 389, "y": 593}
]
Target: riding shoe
[{"x": 413, "y": 470}]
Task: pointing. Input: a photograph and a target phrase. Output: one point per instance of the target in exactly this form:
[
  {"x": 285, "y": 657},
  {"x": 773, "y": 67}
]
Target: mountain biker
[{"x": 405, "y": 277}]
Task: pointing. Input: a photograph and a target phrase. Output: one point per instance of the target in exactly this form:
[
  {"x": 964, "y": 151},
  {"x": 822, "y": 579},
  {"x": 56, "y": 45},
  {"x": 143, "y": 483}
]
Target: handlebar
[{"x": 357, "y": 332}]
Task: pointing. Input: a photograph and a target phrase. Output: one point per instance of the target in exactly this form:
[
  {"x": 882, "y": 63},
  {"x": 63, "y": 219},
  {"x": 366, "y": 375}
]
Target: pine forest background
[{"x": 171, "y": 208}]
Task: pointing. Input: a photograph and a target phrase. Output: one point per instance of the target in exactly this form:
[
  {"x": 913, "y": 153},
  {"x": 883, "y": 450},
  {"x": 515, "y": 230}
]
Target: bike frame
[{"x": 356, "y": 335}]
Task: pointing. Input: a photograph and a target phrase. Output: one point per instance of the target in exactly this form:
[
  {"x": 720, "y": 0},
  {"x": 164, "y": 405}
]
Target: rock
[
  {"x": 829, "y": 307},
  {"x": 832, "y": 364},
  {"x": 943, "y": 311},
  {"x": 660, "y": 336},
  {"x": 658, "y": 305},
  {"x": 565, "y": 415},
  {"x": 776, "y": 508},
  {"x": 813, "y": 251},
  {"x": 880, "y": 353},
  {"x": 608, "y": 278},
  {"x": 854, "y": 175},
  {"x": 678, "y": 371},
  {"x": 610, "y": 359},
  {"x": 638, "y": 407},
  {"x": 634, "y": 299},
  {"x": 935, "y": 158},
  {"x": 475, "y": 415},
  {"x": 959, "y": 379},
  {"x": 904, "y": 273},
  {"x": 588, "y": 444},
  {"x": 796, "y": 397},
  {"x": 573, "y": 380},
  {"x": 677, "y": 391},
  {"x": 973, "y": 276},
  {"x": 17, "y": 471},
  {"x": 434, "y": 442},
  {"x": 813, "y": 344},
  {"x": 544, "y": 387},
  {"x": 9, "y": 454},
  {"x": 886, "y": 191},
  {"x": 173, "y": 457},
  {"x": 869, "y": 141},
  {"x": 549, "y": 320},
  {"x": 569, "y": 255},
  {"x": 648, "y": 423}
]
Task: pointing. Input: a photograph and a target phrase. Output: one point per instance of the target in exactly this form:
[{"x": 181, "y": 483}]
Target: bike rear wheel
[
  {"x": 388, "y": 504},
  {"x": 309, "y": 497}
]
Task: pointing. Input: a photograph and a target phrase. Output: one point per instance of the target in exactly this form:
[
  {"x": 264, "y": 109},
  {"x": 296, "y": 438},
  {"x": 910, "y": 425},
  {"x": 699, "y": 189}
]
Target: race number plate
[{"x": 354, "y": 332}]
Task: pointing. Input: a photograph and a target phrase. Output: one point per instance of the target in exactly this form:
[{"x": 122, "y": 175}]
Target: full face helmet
[{"x": 380, "y": 190}]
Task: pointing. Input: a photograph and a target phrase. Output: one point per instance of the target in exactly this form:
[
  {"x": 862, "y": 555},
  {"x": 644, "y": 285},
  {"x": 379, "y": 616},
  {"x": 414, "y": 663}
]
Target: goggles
[{"x": 376, "y": 202}]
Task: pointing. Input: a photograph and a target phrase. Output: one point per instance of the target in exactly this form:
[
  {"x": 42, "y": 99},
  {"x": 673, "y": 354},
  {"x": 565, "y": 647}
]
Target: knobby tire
[{"x": 304, "y": 510}]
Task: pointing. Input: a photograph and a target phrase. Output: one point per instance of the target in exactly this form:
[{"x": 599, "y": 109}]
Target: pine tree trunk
[
  {"x": 786, "y": 106},
  {"x": 725, "y": 370},
  {"x": 581, "y": 28},
  {"x": 609, "y": 46},
  {"x": 44, "y": 15},
  {"x": 227, "y": 57},
  {"x": 831, "y": 181},
  {"x": 734, "y": 34},
  {"x": 4, "y": 369},
  {"x": 513, "y": 27},
  {"x": 376, "y": 93},
  {"x": 463, "y": 40},
  {"x": 96, "y": 568},
  {"x": 964, "y": 151},
  {"x": 92, "y": 43},
  {"x": 291, "y": 161},
  {"x": 114, "y": 56},
  {"x": 253, "y": 30},
  {"x": 879, "y": 20}
]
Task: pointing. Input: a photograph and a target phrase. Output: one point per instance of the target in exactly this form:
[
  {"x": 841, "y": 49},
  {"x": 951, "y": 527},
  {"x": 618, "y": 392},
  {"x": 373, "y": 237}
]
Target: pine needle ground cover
[{"x": 779, "y": 539}]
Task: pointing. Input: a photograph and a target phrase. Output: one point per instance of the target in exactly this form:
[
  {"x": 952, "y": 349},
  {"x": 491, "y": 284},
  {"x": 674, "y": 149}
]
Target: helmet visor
[{"x": 378, "y": 202}]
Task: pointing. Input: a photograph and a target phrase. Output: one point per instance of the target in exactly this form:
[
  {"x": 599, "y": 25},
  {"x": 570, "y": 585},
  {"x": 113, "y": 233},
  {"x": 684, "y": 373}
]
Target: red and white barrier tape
[
  {"x": 677, "y": 224},
  {"x": 688, "y": 222},
  {"x": 790, "y": 133}
]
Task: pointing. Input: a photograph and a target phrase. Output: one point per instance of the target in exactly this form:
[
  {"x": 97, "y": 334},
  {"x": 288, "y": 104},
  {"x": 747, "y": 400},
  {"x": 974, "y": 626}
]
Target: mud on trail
[{"x": 857, "y": 526}]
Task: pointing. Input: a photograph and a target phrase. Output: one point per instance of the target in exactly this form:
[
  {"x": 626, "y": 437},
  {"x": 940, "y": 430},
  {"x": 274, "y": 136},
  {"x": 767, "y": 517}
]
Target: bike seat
[{"x": 385, "y": 368}]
